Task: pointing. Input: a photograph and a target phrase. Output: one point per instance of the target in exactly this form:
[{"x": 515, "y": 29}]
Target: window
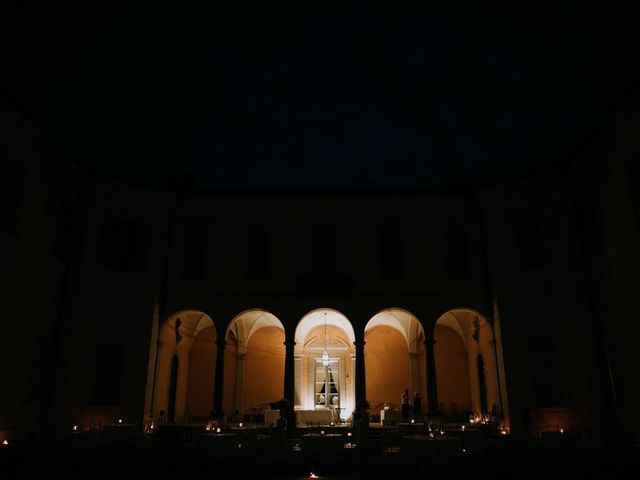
[
  {"x": 11, "y": 188},
  {"x": 37, "y": 374},
  {"x": 616, "y": 370},
  {"x": 390, "y": 254},
  {"x": 324, "y": 249},
  {"x": 194, "y": 254},
  {"x": 108, "y": 373},
  {"x": 590, "y": 227},
  {"x": 124, "y": 245},
  {"x": 456, "y": 252},
  {"x": 67, "y": 230},
  {"x": 528, "y": 237},
  {"x": 258, "y": 252},
  {"x": 545, "y": 373},
  {"x": 327, "y": 388}
]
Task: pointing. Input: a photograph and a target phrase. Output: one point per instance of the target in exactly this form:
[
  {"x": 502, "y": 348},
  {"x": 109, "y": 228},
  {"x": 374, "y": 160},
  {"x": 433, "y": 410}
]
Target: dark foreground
[{"x": 248, "y": 454}]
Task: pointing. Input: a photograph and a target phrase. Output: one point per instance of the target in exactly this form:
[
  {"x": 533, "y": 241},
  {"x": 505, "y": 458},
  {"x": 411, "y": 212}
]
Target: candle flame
[{"x": 5, "y": 443}]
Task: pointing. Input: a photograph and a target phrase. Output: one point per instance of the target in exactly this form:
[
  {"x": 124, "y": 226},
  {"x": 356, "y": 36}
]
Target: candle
[
  {"x": 349, "y": 434},
  {"x": 462, "y": 428},
  {"x": 321, "y": 432},
  {"x": 5, "y": 443},
  {"x": 75, "y": 428},
  {"x": 313, "y": 475},
  {"x": 119, "y": 420},
  {"x": 240, "y": 424},
  {"x": 218, "y": 430},
  {"x": 413, "y": 421},
  {"x": 561, "y": 431}
]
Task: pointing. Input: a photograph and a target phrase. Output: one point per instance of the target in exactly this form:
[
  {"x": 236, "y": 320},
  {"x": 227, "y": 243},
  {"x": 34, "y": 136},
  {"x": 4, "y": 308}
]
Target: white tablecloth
[{"x": 322, "y": 417}]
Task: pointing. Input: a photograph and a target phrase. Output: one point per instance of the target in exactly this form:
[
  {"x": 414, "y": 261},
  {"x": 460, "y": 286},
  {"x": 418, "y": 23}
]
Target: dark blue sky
[{"x": 320, "y": 96}]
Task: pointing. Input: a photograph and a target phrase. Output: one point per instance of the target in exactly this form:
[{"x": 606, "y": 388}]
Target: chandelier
[{"x": 325, "y": 354}]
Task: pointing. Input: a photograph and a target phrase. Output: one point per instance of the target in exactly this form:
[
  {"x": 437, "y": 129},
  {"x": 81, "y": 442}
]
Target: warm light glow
[
  {"x": 5, "y": 443},
  {"x": 75, "y": 428},
  {"x": 218, "y": 430},
  {"x": 321, "y": 432},
  {"x": 325, "y": 354},
  {"x": 240, "y": 424},
  {"x": 313, "y": 475},
  {"x": 349, "y": 434},
  {"x": 441, "y": 432},
  {"x": 561, "y": 431},
  {"x": 332, "y": 424},
  {"x": 431, "y": 435},
  {"x": 462, "y": 428},
  {"x": 119, "y": 420},
  {"x": 413, "y": 421},
  {"x": 208, "y": 428}
]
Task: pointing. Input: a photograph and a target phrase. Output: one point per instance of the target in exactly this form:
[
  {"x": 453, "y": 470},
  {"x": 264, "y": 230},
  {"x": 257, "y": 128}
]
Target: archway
[
  {"x": 465, "y": 364},
  {"x": 254, "y": 363},
  {"x": 394, "y": 358},
  {"x": 185, "y": 367},
  {"x": 324, "y": 367}
]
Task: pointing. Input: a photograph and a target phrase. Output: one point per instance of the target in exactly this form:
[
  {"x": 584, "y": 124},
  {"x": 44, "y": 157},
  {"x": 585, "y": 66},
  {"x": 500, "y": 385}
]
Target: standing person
[
  {"x": 406, "y": 406},
  {"x": 417, "y": 405}
]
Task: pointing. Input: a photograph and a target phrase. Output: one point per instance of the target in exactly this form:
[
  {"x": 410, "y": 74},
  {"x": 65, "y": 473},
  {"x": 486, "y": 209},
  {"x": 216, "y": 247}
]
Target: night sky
[{"x": 327, "y": 94}]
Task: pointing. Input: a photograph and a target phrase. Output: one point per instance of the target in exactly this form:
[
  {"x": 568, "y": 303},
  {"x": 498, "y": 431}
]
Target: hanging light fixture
[{"x": 325, "y": 354}]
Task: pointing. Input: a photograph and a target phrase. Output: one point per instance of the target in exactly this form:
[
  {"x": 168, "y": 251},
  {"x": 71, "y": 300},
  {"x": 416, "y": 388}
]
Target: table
[
  {"x": 271, "y": 417},
  {"x": 390, "y": 417},
  {"x": 320, "y": 417}
]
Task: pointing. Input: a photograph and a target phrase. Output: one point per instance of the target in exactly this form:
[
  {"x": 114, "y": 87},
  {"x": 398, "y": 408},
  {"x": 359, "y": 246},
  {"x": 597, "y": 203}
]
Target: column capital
[
  {"x": 429, "y": 342},
  {"x": 359, "y": 343}
]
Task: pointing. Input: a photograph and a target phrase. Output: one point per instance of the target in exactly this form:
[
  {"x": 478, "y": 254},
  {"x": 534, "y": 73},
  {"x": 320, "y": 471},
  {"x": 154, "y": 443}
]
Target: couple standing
[{"x": 406, "y": 406}]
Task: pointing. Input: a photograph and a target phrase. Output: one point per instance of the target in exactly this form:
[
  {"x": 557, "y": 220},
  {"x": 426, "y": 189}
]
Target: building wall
[
  {"x": 68, "y": 293},
  {"x": 264, "y": 376},
  {"x": 452, "y": 372},
  {"x": 202, "y": 361},
  {"x": 386, "y": 359}
]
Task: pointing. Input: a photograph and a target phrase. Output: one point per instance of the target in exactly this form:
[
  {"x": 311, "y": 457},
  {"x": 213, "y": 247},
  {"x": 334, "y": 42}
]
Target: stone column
[
  {"x": 361, "y": 385},
  {"x": 240, "y": 376},
  {"x": 432, "y": 385},
  {"x": 289, "y": 383},
  {"x": 413, "y": 372},
  {"x": 218, "y": 385},
  {"x": 298, "y": 379}
]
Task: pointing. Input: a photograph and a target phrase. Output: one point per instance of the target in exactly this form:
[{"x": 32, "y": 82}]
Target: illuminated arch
[
  {"x": 254, "y": 362},
  {"x": 190, "y": 336},
  {"x": 394, "y": 357},
  {"x": 461, "y": 334},
  {"x": 324, "y": 329}
]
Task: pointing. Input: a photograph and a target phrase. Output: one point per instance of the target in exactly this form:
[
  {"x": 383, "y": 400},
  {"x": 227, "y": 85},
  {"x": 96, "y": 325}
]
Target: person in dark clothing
[
  {"x": 417, "y": 406},
  {"x": 406, "y": 406}
]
